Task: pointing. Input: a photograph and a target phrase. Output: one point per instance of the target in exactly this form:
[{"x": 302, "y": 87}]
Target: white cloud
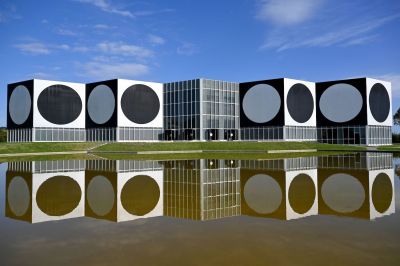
[
  {"x": 66, "y": 32},
  {"x": 102, "y": 27},
  {"x": 344, "y": 34},
  {"x": 34, "y": 48},
  {"x": 187, "y": 49},
  {"x": 108, "y": 70},
  {"x": 107, "y": 7},
  {"x": 120, "y": 48},
  {"x": 38, "y": 48},
  {"x": 156, "y": 40},
  {"x": 287, "y": 12}
]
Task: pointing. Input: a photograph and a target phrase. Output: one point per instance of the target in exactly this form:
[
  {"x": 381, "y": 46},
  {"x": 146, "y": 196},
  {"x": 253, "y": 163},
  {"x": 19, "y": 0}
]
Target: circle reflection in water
[
  {"x": 140, "y": 195},
  {"x": 382, "y": 192},
  {"x": 302, "y": 193},
  {"x": 262, "y": 194},
  {"x": 58, "y": 195},
  {"x": 18, "y": 196},
  {"x": 100, "y": 195},
  {"x": 343, "y": 193}
]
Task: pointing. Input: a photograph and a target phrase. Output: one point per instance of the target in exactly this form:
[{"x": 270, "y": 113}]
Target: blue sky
[{"x": 242, "y": 40}]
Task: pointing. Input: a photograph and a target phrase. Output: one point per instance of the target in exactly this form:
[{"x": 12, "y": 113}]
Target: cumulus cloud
[
  {"x": 124, "y": 49},
  {"x": 34, "y": 48},
  {"x": 101, "y": 70},
  {"x": 287, "y": 12},
  {"x": 156, "y": 40}
]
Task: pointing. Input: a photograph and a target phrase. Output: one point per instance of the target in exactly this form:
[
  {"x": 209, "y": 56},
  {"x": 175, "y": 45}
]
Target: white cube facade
[{"x": 354, "y": 111}]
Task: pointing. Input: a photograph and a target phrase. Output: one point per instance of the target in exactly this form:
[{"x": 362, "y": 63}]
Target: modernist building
[
  {"x": 201, "y": 109},
  {"x": 124, "y": 110},
  {"x": 278, "y": 109},
  {"x": 355, "y": 111},
  {"x": 42, "y": 110}
]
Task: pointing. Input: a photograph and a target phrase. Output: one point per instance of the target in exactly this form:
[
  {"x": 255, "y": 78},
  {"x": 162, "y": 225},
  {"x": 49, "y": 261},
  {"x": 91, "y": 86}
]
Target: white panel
[
  {"x": 289, "y": 121},
  {"x": 123, "y": 178},
  {"x": 123, "y": 121},
  {"x": 39, "y": 179},
  {"x": 372, "y": 176},
  {"x": 371, "y": 120},
  {"x": 39, "y": 121},
  {"x": 290, "y": 213}
]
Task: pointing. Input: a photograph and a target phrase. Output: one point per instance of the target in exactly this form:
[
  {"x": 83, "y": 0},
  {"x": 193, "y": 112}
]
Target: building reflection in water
[{"x": 352, "y": 185}]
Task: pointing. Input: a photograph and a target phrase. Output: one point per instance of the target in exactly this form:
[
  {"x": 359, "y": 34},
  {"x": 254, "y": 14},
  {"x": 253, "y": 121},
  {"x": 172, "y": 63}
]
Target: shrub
[{"x": 3, "y": 135}]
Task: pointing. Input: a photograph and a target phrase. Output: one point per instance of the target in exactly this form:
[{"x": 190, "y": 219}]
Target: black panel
[
  {"x": 231, "y": 134},
  {"x": 360, "y": 175},
  {"x": 140, "y": 104},
  {"x": 29, "y": 122},
  {"x": 112, "y": 122},
  {"x": 360, "y": 119},
  {"x": 279, "y": 119},
  {"x": 279, "y": 177},
  {"x": 300, "y": 103},
  {"x": 211, "y": 134},
  {"x": 379, "y": 102},
  {"x": 59, "y": 104}
]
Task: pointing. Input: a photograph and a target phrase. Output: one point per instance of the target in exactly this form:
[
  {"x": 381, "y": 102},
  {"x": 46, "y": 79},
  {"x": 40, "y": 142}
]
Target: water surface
[{"x": 330, "y": 210}]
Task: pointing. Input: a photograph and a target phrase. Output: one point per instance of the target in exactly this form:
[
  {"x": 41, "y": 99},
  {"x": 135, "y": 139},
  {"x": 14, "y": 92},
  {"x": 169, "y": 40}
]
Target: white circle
[
  {"x": 100, "y": 195},
  {"x": 101, "y": 104},
  {"x": 343, "y": 193},
  {"x": 262, "y": 194},
  {"x": 261, "y": 103},
  {"x": 341, "y": 102},
  {"x": 18, "y": 196},
  {"x": 19, "y": 105}
]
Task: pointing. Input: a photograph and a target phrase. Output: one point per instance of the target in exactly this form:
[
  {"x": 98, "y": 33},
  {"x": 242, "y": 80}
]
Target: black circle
[
  {"x": 59, "y": 104},
  {"x": 140, "y": 104},
  {"x": 300, "y": 103},
  {"x": 379, "y": 102},
  {"x": 382, "y": 192},
  {"x": 302, "y": 193},
  {"x": 58, "y": 195},
  {"x": 140, "y": 195}
]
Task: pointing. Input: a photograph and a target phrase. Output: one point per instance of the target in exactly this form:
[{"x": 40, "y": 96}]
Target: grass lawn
[
  {"x": 48, "y": 158},
  {"x": 223, "y": 146},
  {"x": 38, "y": 147},
  {"x": 393, "y": 148},
  {"x": 222, "y": 156},
  {"x": 45, "y": 147}
]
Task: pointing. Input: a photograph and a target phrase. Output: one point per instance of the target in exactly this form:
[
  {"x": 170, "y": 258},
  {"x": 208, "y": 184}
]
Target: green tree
[{"x": 396, "y": 118}]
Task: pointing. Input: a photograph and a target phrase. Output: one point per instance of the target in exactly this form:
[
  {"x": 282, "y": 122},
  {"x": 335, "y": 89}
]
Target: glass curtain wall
[
  {"x": 182, "y": 110},
  {"x": 220, "y": 110}
]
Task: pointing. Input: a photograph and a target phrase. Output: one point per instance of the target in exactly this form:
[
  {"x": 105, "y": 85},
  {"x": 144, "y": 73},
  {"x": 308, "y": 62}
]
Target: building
[
  {"x": 201, "y": 109},
  {"x": 354, "y": 111},
  {"x": 124, "y": 110},
  {"x": 279, "y": 109}
]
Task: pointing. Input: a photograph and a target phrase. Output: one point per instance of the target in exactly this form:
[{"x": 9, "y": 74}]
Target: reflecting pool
[{"x": 337, "y": 209}]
